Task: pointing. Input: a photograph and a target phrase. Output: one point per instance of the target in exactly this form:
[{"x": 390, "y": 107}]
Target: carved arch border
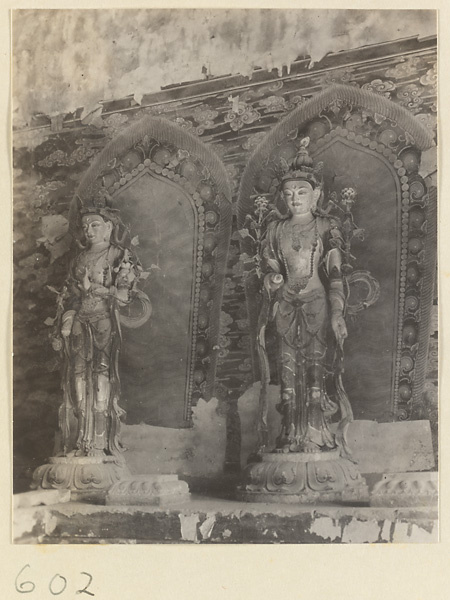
[
  {"x": 417, "y": 212},
  {"x": 210, "y": 197}
]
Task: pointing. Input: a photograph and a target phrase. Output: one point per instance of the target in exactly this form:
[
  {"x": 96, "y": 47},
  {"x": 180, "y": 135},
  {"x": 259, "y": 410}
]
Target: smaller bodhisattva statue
[
  {"x": 102, "y": 281},
  {"x": 304, "y": 296}
]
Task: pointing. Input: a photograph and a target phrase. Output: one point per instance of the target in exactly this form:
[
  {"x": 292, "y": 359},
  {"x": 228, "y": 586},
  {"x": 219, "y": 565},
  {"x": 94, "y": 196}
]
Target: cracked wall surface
[{"x": 66, "y": 59}]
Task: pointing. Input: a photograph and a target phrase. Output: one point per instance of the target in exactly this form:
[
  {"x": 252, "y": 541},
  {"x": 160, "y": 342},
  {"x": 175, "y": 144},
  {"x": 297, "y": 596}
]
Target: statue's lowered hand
[
  {"x": 67, "y": 322},
  {"x": 339, "y": 328}
]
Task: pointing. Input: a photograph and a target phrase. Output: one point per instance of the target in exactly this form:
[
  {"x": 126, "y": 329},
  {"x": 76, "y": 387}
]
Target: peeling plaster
[
  {"x": 420, "y": 535},
  {"x": 326, "y": 528},
  {"x": 68, "y": 59},
  {"x": 385, "y": 535},
  {"x": 197, "y": 523},
  {"x": 361, "y": 532},
  {"x": 207, "y": 526},
  {"x": 24, "y": 523},
  {"x": 189, "y": 527},
  {"x": 414, "y": 534}
]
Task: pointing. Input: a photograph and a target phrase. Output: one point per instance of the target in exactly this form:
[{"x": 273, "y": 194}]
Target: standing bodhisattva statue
[
  {"x": 99, "y": 296},
  {"x": 102, "y": 280},
  {"x": 301, "y": 259}
]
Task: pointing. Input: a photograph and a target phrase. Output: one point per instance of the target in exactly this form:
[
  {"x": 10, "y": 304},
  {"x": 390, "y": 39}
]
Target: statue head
[
  {"x": 96, "y": 228},
  {"x": 300, "y": 196},
  {"x": 93, "y": 216},
  {"x": 301, "y": 183}
]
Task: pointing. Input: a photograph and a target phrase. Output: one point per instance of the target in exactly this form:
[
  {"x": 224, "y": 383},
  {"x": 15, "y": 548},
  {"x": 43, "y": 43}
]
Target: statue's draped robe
[
  {"x": 307, "y": 348},
  {"x": 92, "y": 350}
]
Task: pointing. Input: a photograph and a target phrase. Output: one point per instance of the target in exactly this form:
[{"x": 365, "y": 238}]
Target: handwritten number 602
[{"x": 57, "y": 585}]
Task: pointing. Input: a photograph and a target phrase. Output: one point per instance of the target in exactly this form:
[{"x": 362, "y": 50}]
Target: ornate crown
[
  {"x": 99, "y": 202},
  {"x": 301, "y": 167}
]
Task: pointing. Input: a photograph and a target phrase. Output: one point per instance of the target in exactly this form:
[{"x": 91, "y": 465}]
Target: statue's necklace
[
  {"x": 298, "y": 234},
  {"x": 297, "y": 284},
  {"x": 92, "y": 257}
]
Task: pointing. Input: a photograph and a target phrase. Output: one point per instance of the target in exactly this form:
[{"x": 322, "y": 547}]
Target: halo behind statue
[{"x": 137, "y": 312}]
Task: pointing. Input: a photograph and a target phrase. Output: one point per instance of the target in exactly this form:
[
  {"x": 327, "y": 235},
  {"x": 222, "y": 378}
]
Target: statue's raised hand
[{"x": 273, "y": 281}]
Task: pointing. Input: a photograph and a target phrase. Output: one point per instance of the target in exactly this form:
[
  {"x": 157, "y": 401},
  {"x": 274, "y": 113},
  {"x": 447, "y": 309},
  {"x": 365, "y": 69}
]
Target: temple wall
[{"x": 231, "y": 114}]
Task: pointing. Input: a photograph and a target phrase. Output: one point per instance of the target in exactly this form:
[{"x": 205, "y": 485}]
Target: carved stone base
[
  {"x": 406, "y": 489},
  {"x": 304, "y": 478},
  {"x": 87, "y": 477},
  {"x": 153, "y": 490}
]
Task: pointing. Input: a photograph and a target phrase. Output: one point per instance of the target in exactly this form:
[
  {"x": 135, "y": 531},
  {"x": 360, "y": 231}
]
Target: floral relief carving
[
  {"x": 345, "y": 75},
  {"x": 272, "y": 104},
  {"x": 114, "y": 123},
  {"x": 261, "y": 91},
  {"x": 378, "y": 86},
  {"x": 294, "y": 101},
  {"x": 58, "y": 157},
  {"x": 410, "y": 97},
  {"x": 430, "y": 78},
  {"x": 181, "y": 122},
  {"x": 204, "y": 116},
  {"x": 406, "y": 68},
  {"x": 229, "y": 286},
  {"x": 160, "y": 109},
  {"x": 62, "y": 159},
  {"x": 224, "y": 341},
  {"x": 241, "y": 114}
]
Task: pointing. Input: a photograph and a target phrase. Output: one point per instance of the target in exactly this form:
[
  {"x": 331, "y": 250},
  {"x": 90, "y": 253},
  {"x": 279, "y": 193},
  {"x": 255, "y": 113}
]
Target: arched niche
[
  {"x": 373, "y": 145},
  {"x": 173, "y": 193}
]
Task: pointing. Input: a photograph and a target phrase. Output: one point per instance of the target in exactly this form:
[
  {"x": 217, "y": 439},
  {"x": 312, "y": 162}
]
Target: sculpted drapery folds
[
  {"x": 304, "y": 294},
  {"x": 102, "y": 280}
]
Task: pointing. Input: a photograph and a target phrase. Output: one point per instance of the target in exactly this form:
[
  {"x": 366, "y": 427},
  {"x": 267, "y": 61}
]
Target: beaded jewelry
[{"x": 299, "y": 284}]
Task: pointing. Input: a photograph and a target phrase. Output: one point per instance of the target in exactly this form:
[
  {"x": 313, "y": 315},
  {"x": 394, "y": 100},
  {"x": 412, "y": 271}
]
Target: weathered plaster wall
[
  {"x": 65, "y": 60},
  {"x": 232, "y": 115}
]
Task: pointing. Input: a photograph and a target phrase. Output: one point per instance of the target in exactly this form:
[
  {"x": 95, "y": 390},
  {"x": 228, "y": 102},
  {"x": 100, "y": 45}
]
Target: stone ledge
[
  {"x": 406, "y": 489},
  {"x": 142, "y": 490},
  {"x": 210, "y": 520}
]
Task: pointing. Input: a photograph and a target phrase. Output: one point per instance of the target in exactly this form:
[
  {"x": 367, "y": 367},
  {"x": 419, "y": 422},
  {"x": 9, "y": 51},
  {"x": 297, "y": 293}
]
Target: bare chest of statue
[
  {"x": 94, "y": 266},
  {"x": 299, "y": 248},
  {"x": 93, "y": 272}
]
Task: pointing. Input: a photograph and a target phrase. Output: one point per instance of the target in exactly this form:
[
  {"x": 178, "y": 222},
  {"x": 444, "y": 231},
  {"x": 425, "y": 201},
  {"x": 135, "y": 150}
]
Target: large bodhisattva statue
[
  {"x": 304, "y": 294},
  {"x": 102, "y": 281}
]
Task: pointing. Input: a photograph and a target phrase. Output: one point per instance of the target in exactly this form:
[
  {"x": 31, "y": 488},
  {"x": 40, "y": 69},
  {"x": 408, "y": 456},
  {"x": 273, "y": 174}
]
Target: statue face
[
  {"x": 96, "y": 229},
  {"x": 300, "y": 196}
]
